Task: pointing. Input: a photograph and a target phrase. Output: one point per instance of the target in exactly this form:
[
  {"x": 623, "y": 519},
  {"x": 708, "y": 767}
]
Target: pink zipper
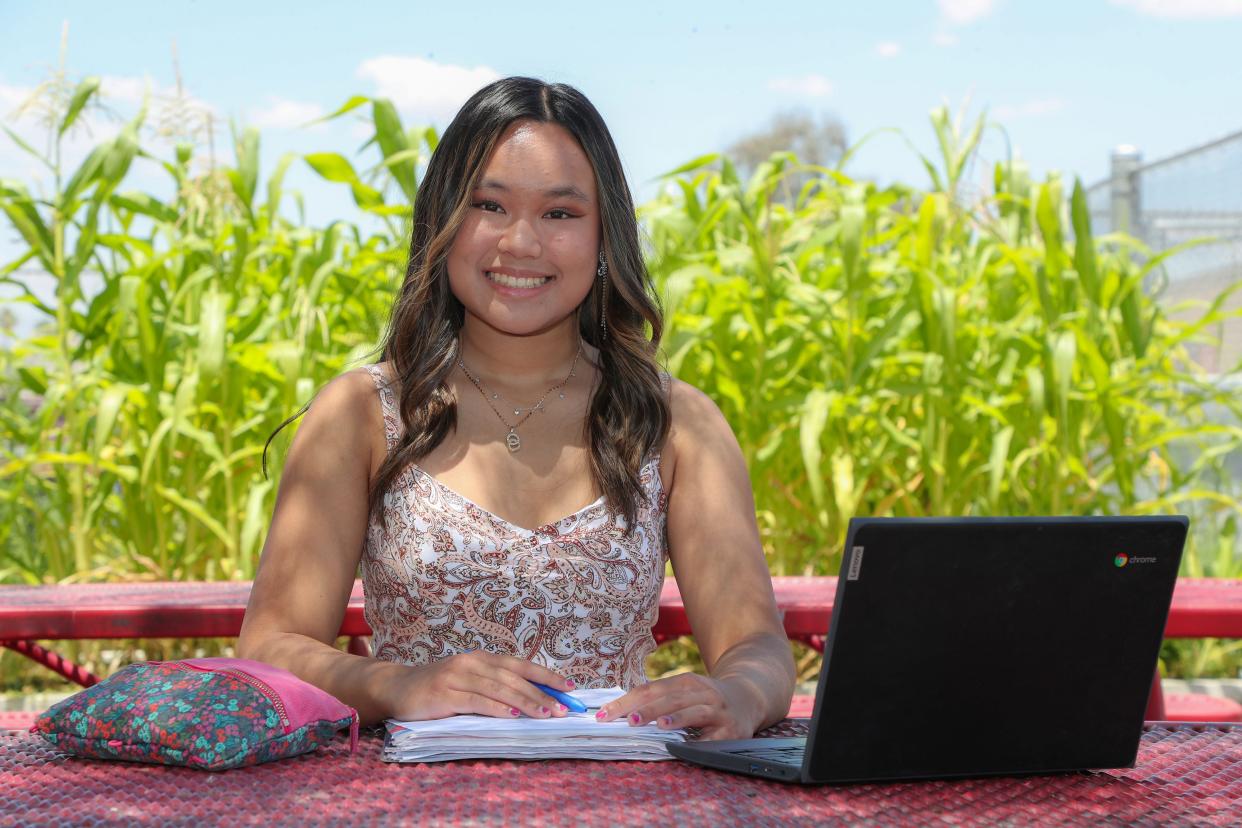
[{"x": 268, "y": 693}]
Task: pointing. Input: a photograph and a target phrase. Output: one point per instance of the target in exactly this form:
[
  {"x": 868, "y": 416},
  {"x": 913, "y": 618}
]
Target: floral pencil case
[{"x": 207, "y": 713}]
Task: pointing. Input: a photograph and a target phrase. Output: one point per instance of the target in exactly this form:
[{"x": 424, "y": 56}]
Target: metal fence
[{"x": 1193, "y": 194}]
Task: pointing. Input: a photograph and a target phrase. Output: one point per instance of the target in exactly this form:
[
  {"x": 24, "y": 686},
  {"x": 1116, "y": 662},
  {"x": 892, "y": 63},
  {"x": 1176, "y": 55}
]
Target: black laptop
[{"x": 980, "y": 646}]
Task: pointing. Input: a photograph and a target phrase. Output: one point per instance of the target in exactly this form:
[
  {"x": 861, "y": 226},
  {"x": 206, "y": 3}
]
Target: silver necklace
[{"x": 512, "y": 440}]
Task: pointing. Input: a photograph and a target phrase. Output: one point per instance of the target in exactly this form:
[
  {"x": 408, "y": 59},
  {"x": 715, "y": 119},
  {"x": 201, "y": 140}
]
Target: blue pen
[{"x": 564, "y": 698}]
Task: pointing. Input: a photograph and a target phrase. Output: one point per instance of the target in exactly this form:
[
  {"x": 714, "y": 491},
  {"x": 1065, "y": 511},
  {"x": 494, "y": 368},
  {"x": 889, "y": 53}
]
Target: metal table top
[{"x": 1184, "y": 775}]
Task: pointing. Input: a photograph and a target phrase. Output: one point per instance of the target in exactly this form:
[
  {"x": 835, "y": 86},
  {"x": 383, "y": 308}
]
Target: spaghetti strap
[{"x": 388, "y": 405}]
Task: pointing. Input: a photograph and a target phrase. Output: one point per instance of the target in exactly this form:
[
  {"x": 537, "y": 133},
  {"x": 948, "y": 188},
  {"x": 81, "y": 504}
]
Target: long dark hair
[{"x": 628, "y": 415}]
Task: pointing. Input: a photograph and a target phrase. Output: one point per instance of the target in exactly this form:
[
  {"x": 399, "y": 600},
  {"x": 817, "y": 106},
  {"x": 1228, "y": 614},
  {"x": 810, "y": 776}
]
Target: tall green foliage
[
  {"x": 132, "y": 434},
  {"x": 885, "y": 351},
  {"x": 878, "y": 350}
]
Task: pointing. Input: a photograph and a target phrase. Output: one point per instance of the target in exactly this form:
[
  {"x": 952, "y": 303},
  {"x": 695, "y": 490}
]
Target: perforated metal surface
[{"x": 1184, "y": 776}]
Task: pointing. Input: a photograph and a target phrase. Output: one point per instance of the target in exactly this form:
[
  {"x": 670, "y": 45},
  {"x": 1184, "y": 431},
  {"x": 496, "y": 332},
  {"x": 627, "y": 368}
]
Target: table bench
[{"x": 1204, "y": 607}]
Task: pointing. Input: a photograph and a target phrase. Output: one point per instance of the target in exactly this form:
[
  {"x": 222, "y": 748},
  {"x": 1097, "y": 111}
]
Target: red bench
[{"x": 1201, "y": 608}]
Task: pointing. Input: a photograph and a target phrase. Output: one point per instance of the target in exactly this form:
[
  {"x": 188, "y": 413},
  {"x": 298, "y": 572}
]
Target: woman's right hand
[{"x": 482, "y": 683}]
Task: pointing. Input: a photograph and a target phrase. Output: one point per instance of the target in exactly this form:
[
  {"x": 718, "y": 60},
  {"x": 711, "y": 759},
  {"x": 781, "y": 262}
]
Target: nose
[{"x": 520, "y": 240}]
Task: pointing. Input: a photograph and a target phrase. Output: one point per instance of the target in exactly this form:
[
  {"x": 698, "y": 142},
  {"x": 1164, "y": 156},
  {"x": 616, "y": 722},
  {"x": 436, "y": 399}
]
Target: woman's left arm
[{"x": 724, "y": 581}]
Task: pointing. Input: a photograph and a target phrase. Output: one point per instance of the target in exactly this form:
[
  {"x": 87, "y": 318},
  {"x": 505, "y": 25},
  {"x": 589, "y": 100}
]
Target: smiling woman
[{"x": 518, "y": 381}]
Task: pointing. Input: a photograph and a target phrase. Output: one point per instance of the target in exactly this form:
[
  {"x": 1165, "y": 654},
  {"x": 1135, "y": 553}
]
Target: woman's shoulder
[
  {"x": 348, "y": 399},
  {"x": 690, "y": 409},
  {"x": 695, "y": 424}
]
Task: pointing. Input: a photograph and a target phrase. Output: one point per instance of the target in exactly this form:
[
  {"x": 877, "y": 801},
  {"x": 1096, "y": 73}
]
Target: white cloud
[
  {"x": 13, "y": 161},
  {"x": 944, "y": 39},
  {"x": 423, "y": 88},
  {"x": 811, "y": 86},
  {"x": 1184, "y": 9},
  {"x": 128, "y": 89},
  {"x": 961, "y": 12},
  {"x": 1029, "y": 109},
  {"x": 282, "y": 113},
  {"x": 11, "y": 97},
  {"x": 888, "y": 49},
  {"x": 132, "y": 90}
]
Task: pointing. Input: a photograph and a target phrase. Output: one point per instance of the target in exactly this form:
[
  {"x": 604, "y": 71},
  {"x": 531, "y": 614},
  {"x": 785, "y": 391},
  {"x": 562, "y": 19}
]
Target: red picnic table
[
  {"x": 1184, "y": 775},
  {"x": 1202, "y": 607}
]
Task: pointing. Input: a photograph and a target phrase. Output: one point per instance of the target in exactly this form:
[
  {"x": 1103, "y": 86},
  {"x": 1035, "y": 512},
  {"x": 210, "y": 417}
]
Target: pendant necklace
[{"x": 512, "y": 440}]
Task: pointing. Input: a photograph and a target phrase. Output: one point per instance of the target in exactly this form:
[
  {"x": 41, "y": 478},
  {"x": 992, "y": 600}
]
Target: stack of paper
[{"x": 575, "y": 736}]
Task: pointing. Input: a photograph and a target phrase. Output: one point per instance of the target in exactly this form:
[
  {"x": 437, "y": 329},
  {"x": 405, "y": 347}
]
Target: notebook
[
  {"x": 980, "y": 646},
  {"x": 574, "y": 736}
]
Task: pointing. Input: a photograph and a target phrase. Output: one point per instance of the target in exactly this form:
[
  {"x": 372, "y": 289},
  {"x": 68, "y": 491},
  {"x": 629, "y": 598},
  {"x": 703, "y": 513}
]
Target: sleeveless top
[{"x": 447, "y": 576}]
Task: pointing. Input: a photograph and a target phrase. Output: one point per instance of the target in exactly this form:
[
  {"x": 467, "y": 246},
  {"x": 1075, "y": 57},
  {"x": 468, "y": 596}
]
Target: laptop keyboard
[{"x": 791, "y": 755}]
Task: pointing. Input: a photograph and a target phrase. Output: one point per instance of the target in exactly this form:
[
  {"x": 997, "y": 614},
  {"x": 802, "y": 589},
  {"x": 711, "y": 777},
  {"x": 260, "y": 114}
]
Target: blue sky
[{"x": 1068, "y": 79}]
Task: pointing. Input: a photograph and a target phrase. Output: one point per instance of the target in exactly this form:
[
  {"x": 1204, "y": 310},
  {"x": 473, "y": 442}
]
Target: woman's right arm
[{"x": 307, "y": 571}]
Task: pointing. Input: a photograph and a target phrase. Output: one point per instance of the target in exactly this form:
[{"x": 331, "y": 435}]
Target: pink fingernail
[
  {"x": 635, "y": 719},
  {"x": 513, "y": 711},
  {"x": 561, "y": 707},
  {"x": 600, "y": 715},
  {"x": 570, "y": 683},
  {"x": 545, "y": 711},
  {"x": 666, "y": 721}
]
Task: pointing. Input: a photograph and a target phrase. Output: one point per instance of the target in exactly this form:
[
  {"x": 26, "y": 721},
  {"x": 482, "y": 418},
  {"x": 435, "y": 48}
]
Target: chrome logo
[{"x": 1121, "y": 560}]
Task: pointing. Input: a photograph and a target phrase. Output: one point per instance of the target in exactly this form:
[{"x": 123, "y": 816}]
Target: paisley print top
[{"x": 447, "y": 576}]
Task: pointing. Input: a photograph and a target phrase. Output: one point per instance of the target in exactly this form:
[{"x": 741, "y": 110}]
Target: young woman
[{"x": 519, "y": 382}]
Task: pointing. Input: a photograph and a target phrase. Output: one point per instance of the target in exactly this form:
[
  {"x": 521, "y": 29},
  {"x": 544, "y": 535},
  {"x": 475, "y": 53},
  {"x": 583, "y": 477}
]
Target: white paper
[{"x": 574, "y": 736}]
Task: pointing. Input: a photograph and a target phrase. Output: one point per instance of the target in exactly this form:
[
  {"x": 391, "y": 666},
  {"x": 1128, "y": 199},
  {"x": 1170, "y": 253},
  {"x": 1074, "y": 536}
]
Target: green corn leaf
[
  {"x": 811, "y": 423},
  {"x": 997, "y": 464},
  {"x": 143, "y": 204},
  {"x": 120, "y": 154},
  {"x": 85, "y": 175},
  {"x": 1084, "y": 243},
  {"x": 25, "y": 147},
  {"x": 853, "y": 216},
  {"x": 334, "y": 167},
  {"x": 392, "y": 141},
  {"x": 196, "y": 511},
  {"x": 110, "y": 403},
  {"x": 60, "y": 458},
  {"x": 246, "y": 177},
  {"x": 81, "y": 94},
  {"x": 254, "y": 523},
  {"x": 691, "y": 165},
  {"x": 1064, "y": 352},
  {"x": 275, "y": 183},
  {"x": 212, "y": 333},
  {"x": 34, "y": 378},
  {"x": 350, "y": 105},
  {"x": 24, "y": 216},
  {"x": 1048, "y": 217}
]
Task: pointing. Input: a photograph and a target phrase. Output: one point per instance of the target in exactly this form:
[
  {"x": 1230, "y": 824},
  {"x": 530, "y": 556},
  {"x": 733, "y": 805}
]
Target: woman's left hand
[{"x": 687, "y": 700}]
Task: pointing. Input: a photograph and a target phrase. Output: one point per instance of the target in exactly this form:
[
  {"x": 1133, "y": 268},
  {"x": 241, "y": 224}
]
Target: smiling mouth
[{"x": 516, "y": 281}]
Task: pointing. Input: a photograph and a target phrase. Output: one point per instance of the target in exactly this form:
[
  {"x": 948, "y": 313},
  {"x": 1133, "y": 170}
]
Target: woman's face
[{"x": 526, "y": 255}]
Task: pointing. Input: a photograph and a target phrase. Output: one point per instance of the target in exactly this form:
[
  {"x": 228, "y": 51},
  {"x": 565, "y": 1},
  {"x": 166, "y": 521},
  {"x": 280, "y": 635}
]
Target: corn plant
[
  {"x": 884, "y": 351},
  {"x": 877, "y": 350},
  {"x": 217, "y": 317}
]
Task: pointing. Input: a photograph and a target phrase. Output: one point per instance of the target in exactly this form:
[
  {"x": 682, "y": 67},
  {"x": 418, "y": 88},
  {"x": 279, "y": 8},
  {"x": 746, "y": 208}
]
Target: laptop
[{"x": 980, "y": 646}]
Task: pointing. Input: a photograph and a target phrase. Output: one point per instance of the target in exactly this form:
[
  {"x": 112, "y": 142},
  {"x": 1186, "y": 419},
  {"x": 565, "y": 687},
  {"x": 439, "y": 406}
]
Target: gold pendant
[{"x": 514, "y": 442}]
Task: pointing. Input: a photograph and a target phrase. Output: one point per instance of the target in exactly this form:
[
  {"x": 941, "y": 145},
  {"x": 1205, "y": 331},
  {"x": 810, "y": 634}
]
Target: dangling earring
[{"x": 602, "y": 272}]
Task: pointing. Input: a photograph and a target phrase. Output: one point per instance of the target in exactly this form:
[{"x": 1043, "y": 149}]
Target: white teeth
[{"x": 516, "y": 282}]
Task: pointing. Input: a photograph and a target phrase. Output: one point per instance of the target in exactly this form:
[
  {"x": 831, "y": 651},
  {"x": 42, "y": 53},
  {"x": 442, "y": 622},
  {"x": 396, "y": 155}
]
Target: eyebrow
[{"x": 560, "y": 191}]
